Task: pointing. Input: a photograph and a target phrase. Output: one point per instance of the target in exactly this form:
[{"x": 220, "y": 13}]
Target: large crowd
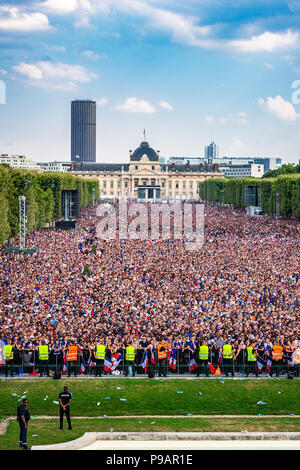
[{"x": 240, "y": 288}]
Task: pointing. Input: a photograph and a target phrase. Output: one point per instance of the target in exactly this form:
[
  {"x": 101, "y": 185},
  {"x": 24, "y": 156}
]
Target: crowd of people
[{"x": 234, "y": 301}]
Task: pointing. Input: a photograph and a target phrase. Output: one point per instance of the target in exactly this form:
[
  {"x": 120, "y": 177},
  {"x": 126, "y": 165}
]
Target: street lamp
[{"x": 27, "y": 182}]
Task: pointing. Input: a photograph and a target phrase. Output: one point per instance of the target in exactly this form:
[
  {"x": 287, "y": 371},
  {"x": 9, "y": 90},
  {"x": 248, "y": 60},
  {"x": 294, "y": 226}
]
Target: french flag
[
  {"x": 260, "y": 363},
  {"x": 172, "y": 360},
  {"x": 82, "y": 366},
  {"x": 116, "y": 359},
  {"x": 65, "y": 365},
  {"x": 152, "y": 360},
  {"x": 145, "y": 361},
  {"x": 212, "y": 369},
  {"x": 220, "y": 356},
  {"x": 269, "y": 364},
  {"x": 107, "y": 364},
  {"x": 193, "y": 365}
]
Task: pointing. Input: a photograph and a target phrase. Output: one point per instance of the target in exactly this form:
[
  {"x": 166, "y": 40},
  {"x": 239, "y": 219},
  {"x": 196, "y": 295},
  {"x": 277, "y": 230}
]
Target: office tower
[
  {"x": 83, "y": 131},
  {"x": 211, "y": 151}
]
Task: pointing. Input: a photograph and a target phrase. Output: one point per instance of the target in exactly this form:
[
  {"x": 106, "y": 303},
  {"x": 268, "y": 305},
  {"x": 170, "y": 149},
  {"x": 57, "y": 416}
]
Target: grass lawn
[
  {"x": 41, "y": 431},
  {"x": 155, "y": 397}
]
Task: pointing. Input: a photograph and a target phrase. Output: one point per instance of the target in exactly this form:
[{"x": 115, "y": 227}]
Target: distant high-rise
[
  {"x": 211, "y": 151},
  {"x": 83, "y": 131}
]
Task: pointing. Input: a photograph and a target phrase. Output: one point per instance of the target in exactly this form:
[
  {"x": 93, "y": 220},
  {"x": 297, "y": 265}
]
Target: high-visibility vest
[
  {"x": 43, "y": 352},
  {"x": 130, "y": 353},
  {"x": 203, "y": 353},
  {"x": 161, "y": 354},
  {"x": 100, "y": 351},
  {"x": 8, "y": 352},
  {"x": 296, "y": 356},
  {"x": 72, "y": 353},
  {"x": 250, "y": 354},
  {"x": 227, "y": 351},
  {"x": 277, "y": 352}
]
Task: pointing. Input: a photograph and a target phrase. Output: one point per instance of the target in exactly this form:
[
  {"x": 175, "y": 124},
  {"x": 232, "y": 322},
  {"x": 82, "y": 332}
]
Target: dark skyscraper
[{"x": 83, "y": 130}]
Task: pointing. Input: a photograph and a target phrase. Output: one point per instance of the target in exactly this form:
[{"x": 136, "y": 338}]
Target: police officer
[
  {"x": 23, "y": 416},
  {"x": 65, "y": 399}
]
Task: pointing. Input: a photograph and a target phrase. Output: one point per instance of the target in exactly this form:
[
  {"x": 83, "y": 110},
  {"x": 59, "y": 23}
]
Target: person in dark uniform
[
  {"x": 23, "y": 416},
  {"x": 65, "y": 399}
]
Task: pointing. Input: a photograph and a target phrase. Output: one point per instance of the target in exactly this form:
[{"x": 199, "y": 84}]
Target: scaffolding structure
[{"x": 22, "y": 222}]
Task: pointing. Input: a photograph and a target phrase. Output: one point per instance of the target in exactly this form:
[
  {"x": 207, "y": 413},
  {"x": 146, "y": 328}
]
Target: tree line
[
  {"x": 282, "y": 192},
  {"x": 43, "y": 192}
]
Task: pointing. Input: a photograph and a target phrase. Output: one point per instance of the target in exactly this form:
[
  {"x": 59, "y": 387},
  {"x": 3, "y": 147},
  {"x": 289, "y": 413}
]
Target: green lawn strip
[
  {"x": 47, "y": 431},
  {"x": 155, "y": 397}
]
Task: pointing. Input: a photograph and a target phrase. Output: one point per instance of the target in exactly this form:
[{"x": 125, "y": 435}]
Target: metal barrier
[{"x": 27, "y": 363}]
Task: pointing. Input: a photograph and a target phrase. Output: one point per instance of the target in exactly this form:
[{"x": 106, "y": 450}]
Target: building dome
[{"x": 144, "y": 149}]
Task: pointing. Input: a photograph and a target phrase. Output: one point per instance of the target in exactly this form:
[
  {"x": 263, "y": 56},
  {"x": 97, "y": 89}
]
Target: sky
[{"x": 188, "y": 72}]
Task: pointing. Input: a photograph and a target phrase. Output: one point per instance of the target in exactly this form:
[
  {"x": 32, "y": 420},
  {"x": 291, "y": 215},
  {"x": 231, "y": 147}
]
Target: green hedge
[
  {"x": 287, "y": 186},
  {"x": 43, "y": 197}
]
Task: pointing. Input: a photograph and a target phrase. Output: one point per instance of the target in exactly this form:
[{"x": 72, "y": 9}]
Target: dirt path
[{"x": 166, "y": 416}]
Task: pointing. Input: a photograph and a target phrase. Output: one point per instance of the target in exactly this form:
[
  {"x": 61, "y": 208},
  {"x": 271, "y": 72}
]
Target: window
[
  {"x": 126, "y": 184},
  {"x": 153, "y": 167},
  {"x": 136, "y": 167},
  {"x": 111, "y": 184}
]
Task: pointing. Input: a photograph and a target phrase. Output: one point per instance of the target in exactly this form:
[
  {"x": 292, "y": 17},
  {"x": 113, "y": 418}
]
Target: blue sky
[{"x": 187, "y": 72}]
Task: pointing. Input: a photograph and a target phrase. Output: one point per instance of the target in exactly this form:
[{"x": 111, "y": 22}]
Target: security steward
[
  {"x": 227, "y": 357},
  {"x": 251, "y": 361},
  {"x": 130, "y": 359},
  {"x": 9, "y": 358},
  {"x": 202, "y": 365},
  {"x": 72, "y": 353},
  {"x": 162, "y": 358},
  {"x": 277, "y": 358},
  {"x": 99, "y": 354},
  {"x": 23, "y": 416},
  {"x": 43, "y": 358},
  {"x": 65, "y": 399}
]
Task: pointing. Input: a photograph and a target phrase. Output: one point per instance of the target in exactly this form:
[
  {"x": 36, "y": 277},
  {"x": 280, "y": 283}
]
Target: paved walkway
[{"x": 193, "y": 445}]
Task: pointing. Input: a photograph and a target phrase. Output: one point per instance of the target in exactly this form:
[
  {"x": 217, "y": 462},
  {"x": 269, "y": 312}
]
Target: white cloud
[
  {"x": 166, "y": 105},
  {"x": 239, "y": 118},
  {"x": 267, "y": 42},
  {"x": 279, "y": 107},
  {"x": 14, "y": 19},
  {"x": 269, "y": 66},
  {"x": 103, "y": 101},
  {"x": 132, "y": 105},
  {"x": 60, "y": 6},
  {"x": 4, "y": 72},
  {"x": 54, "y": 75}
]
